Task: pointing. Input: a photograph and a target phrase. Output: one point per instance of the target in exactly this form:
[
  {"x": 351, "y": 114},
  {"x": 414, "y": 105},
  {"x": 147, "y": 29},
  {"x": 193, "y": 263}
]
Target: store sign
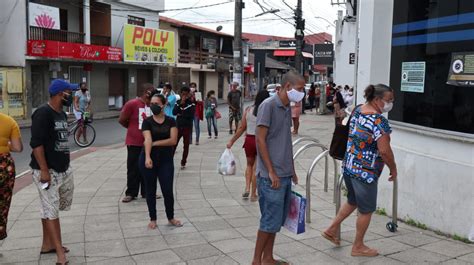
[
  {"x": 461, "y": 72},
  {"x": 287, "y": 44},
  {"x": 323, "y": 54},
  {"x": 44, "y": 16},
  {"x": 148, "y": 45},
  {"x": 413, "y": 77},
  {"x": 67, "y": 50}
]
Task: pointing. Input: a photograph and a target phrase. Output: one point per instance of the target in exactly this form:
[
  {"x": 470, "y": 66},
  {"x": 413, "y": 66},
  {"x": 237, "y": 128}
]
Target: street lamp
[{"x": 273, "y": 11}]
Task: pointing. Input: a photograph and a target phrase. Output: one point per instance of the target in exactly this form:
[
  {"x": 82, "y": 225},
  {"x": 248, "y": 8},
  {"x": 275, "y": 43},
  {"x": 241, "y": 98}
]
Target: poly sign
[
  {"x": 44, "y": 16},
  {"x": 148, "y": 45},
  {"x": 413, "y": 77}
]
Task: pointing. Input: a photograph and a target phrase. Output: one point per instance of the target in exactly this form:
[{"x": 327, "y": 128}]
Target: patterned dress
[{"x": 362, "y": 160}]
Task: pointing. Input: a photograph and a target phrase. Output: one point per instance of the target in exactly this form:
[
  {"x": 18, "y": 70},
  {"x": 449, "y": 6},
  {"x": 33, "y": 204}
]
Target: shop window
[{"x": 424, "y": 47}]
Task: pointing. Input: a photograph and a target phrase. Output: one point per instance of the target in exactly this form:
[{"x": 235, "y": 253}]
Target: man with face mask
[
  {"x": 50, "y": 163},
  {"x": 134, "y": 112},
  {"x": 275, "y": 167}
]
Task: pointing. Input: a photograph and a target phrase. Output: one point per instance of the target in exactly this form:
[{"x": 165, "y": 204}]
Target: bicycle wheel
[{"x": 86, "y": 138}]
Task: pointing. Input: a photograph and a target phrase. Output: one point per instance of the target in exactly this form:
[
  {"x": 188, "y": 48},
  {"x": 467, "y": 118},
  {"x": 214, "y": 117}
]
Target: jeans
[
  {"x": 163, "y": 170},
  {"x": 212, "y": 121},
  {"x": 274, "y": 203},
  {"x": 134, "y": 178},
  {"x": 184, "y": 133},
  {"x": 197, "y": 129}
]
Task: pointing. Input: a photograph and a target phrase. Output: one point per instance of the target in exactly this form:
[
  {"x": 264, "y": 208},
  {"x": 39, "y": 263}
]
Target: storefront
[
  {"x": 12, "y": 92},
  {"x": 426, "y": 59}
]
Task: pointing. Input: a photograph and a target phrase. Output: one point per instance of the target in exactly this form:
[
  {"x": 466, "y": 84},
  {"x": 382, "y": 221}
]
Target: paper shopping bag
[{"x": 295, "y": 221}]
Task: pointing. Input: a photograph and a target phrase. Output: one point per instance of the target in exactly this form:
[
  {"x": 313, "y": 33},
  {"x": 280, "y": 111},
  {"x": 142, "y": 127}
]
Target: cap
[{"x": 60, "y": 85}]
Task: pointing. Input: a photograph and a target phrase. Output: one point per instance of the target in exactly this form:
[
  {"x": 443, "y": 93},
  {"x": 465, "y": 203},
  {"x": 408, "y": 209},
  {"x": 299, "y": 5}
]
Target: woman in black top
[{"x": 156, "y": 161}]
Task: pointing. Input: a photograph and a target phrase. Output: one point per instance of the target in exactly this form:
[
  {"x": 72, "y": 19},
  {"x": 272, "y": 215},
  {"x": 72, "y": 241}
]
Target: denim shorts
[
  {"x": 274, "y": 203},
  {"x": 361, "y": 194}
]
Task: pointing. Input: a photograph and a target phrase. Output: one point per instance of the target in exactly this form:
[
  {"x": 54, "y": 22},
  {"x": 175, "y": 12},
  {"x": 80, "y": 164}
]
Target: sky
[{"x": 268, "y": 24}]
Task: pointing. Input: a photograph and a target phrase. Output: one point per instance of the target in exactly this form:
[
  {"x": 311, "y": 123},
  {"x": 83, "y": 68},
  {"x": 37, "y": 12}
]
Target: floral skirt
[{"x": 7, "y": 181}]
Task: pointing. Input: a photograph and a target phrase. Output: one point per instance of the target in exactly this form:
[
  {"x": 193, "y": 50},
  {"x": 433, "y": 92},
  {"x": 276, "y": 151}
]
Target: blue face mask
[{"x": 295, "y": 95}]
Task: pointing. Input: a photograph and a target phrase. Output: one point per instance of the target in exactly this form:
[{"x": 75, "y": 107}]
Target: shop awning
[
  {"x": 307, "y": 55},
  {"x": 286, "y": 53}
]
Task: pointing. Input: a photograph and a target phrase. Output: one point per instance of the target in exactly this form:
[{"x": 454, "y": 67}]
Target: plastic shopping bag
[
  {"x": 226, "y": 164},
  {"x": 295, "y": 221}
]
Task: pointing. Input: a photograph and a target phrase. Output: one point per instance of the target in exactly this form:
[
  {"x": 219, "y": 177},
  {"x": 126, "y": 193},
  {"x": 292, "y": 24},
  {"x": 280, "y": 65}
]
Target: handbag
[
  {"x": 218, "y": 115},
  {"x": 295, "y": 221},
  {"x": 338, "y": 146}
]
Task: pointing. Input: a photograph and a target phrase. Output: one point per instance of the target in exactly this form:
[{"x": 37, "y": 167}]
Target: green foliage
[
  {"x": 414, "y": 223},
  {"x": 381, "y": 211}
]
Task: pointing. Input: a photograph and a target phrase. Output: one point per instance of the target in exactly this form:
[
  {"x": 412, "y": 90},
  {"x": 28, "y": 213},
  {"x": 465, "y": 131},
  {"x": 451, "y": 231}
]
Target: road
[{"x": 108, "y": 132}]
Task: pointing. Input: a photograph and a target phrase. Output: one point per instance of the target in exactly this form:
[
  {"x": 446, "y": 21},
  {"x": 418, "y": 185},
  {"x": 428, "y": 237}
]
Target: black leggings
[{"x": 163, "y": 170}]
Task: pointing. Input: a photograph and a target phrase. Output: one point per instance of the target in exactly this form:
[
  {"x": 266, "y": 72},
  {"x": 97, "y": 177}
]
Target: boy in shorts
[{"x": 275, "y": 167}]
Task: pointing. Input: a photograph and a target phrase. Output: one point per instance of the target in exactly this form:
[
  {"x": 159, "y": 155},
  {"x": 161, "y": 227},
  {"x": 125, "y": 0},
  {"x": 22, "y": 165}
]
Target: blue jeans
[
  {"x": 212, "y": 121},
  {"x": 197, "y": 129},
  {"x": 274, "y": 203}
]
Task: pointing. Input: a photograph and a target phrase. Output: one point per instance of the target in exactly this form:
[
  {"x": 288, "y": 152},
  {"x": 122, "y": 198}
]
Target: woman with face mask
[
  {"x": 156, "y": 160},
  {"x": 368, "y": 151},
  {"x": 82, "y": 103}
]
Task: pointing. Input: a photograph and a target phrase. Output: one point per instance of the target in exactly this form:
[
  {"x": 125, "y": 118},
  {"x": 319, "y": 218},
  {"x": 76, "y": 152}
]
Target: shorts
[
  {"x": 250, "y": 146},
  {"x": 274, "y": 204},
  {"x": 59, "y": 195},
  {"x": 361, "y": 194},
  {"x": 234, "y": 115}
]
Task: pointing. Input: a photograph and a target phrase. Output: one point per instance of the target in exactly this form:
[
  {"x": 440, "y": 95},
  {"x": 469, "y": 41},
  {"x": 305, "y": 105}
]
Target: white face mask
[
  {"x": 295, "y": 95},
  {"x": 387, "y": 107}
]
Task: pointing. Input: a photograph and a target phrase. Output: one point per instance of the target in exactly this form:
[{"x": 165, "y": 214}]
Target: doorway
[{"x": 143, "y": 76}]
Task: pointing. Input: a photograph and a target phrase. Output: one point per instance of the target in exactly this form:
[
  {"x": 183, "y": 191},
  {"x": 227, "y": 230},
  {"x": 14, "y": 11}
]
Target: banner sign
[
  {"x": 287, "y": 44},
  {"x": 148, "y": 45},
  {"x": 44, "y": 16},
  {"x": 461, "y": 72},
  {"x": 323, "y": 54},
  {"x": 413, "y": 77},
  {"x": 68, "y": 50}
]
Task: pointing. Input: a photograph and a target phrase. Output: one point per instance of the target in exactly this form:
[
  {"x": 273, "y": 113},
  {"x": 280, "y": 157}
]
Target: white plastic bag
[{"x": 226, "y": 164}]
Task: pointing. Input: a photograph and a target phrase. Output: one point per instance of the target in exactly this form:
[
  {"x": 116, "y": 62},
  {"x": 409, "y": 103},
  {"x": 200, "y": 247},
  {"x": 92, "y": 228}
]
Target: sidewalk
[{"x": 219, "y": 227}]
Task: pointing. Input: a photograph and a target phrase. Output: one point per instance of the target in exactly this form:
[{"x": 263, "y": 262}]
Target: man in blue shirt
[{"x": 170, "y": 100}]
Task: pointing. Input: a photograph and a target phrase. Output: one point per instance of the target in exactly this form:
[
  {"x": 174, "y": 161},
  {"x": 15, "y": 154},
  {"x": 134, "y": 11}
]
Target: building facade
[{"x": 422, "y": 50}]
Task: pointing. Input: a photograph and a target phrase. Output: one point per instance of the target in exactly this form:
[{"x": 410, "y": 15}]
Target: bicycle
[{"x": 82, "y": 128}]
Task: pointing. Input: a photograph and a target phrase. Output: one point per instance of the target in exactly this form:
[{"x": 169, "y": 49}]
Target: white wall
[
  {"x": 119, "y": 18},
  {"x": 435, "y": 168},
  {"x": 345, "y": 44},
  {"x": 12, "y": 33}
]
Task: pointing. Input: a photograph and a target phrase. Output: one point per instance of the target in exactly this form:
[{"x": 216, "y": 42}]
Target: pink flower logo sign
[
  {"x": 45, "y": 21},
  {"x": 44, "y": 16}
]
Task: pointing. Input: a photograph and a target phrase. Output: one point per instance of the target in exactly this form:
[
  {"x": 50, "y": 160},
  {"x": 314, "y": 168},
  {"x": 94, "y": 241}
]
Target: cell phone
[{"x": 45, "y": 185}]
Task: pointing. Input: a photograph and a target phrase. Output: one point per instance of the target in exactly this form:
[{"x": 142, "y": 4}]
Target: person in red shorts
[{"x": 248, "y": 125}]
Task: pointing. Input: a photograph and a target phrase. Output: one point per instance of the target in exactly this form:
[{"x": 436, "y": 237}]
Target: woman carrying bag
[
  {"x": 210, "y": 107},
  {"x": 368, "y": 150}
]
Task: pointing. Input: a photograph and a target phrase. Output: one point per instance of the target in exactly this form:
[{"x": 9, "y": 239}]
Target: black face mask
[
  {"x": 155, "y": 109},
  {"x": 83, "y": 90},
  {"x": 67, "y": 100}
]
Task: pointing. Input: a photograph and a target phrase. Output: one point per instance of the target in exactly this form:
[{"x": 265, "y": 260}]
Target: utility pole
[
  {"x": 299, "y": 36},
  {"x": 238, "y": 75}
]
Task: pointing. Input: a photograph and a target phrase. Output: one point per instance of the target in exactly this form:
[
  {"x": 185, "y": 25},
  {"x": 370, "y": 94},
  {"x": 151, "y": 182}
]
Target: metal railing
[
  {"x": 37, "y": 33},
  {"x": 100, "y": 40},
  {"x": 325, "y": 154},
  {"x": 200, "y": 57}
]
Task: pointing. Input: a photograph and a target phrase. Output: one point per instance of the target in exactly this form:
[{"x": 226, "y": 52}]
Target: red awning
[{"x": 288, "y": 53}]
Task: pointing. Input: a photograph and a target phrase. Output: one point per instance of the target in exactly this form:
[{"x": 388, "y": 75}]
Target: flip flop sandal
[
  {"x": 66, "y": 250},
  {"x": 245, "y": 195},
  {"x": 127, "y": 199},
  {"x": 333, "y": 239},
  {"x": 366, "y": 253},
  {"x": 253, "y": 199},
  {"x": 281, "y": 262},
  {"x": 176, "y": 224}
]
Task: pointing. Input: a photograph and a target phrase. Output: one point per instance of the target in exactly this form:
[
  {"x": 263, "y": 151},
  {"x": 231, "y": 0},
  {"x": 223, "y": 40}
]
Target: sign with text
[
  {"x": 57, "y": 49},
  {"x": 352, "y": 58},
  {"x": 461, "y": 72},
  {"x": 413, "y": 77},
  {"x": 44, "y": 16},
  {"x": 323, "y": 54},
  {"x": 148, "y": 45},
  {"x": 287, "y": 44}
]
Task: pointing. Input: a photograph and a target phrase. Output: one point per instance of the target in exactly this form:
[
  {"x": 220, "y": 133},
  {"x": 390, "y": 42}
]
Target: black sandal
[{"x": 66, "y": 250}]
